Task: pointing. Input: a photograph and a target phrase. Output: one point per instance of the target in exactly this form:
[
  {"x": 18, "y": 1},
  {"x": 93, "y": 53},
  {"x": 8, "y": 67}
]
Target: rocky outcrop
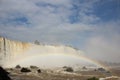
[
  {"x": 4, "y": 74},
  {"x": 68, "y": 69},
  {"x": 18, "y": 67},
  {"x": 39, "y": 71},
  {"x": 33, "y": 67},
  {"x": 25, "y": 70}
]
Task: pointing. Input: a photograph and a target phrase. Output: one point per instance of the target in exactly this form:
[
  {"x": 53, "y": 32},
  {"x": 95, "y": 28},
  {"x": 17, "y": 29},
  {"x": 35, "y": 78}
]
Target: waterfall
[
  {"x": 16, "y": 52},
  {"x": 9, "y": 49}
]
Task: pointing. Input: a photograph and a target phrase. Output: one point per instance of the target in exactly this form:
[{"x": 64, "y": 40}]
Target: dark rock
[
  {"x": 39, "y": 71},
  {"x": 18, "y": 66},
  {"x": 11, "y": 69},
  {"x": 68, "y": 69},
  {"x": 65, "y": 67},
  {"x": 93, "y": 78},
  {"x": 37, "y": 42},
  {"x": 101, "y": 69},
  {"x": 25, "y": 70},
  {"x": 84, "y": 67},
  {"x": 95, "y": 70},
  {"x": 4, "y": 74},
  {"x": 33, "y": 67}
]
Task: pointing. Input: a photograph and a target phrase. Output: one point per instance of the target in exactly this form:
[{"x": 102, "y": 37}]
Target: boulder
[
  {"x": 68, "y": 69},
  {"x": 33, "y": 67},
  {"x": 101, "y": 69},
  {"x": 4, "y": 74},
  {"x": 84, "y": 67},
  {"x": 18, "y": 66},
  {"x": 93, "y": 78},
  {"x": 25, "y": 70},
  {"x": 39, "y": 71}
]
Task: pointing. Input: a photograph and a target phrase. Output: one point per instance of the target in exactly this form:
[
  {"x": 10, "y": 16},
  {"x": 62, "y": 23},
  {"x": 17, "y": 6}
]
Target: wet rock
[
  {"x": 93, "y": 78},
  {"x": 39, "y": 71},
  {"x": 4, "y": 74},
  {"x": 18, "y": 66},
  {"x": 25, "y": 70},
  {"x": 65, "y": 67},
  {"x": 101, "y": 69},
  {"x": 68, "y": 69},
  {"x": 84, "y": 67},
  {"x": 33, "y": 67}
]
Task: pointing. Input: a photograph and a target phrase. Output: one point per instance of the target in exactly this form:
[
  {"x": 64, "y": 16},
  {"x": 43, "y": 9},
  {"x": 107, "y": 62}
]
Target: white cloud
[
  {"x": 44, "y": 20},
  {"x": 49, "y": 22}
]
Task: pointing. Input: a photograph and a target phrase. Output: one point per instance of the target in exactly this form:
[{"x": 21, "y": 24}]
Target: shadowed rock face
[{"x": 4, "y": 74}]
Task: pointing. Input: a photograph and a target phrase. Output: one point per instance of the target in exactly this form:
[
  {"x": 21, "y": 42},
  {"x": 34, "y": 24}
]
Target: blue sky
[{"x": 89, "y": 25}]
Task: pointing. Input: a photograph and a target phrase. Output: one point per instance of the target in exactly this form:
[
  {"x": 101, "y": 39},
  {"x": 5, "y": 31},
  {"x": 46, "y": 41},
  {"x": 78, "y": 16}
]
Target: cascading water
[
  {"x": 13, "y": 53},
  {"x": 9, "y": 49}
]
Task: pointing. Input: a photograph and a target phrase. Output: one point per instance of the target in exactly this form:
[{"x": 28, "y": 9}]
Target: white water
[
  {"x": 10, "y": 49},
  {"x": 13, "y": 53}
]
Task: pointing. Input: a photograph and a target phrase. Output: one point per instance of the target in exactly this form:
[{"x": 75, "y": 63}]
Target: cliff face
[{"x": 9, "y": 49}]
